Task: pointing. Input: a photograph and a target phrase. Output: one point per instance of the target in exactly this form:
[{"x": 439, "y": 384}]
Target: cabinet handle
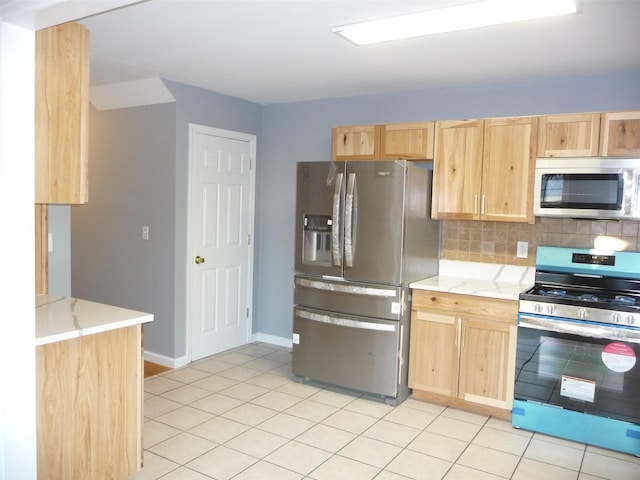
[
  {"x": 475, "y": 204},
  {"x": 482, "y": 207}
]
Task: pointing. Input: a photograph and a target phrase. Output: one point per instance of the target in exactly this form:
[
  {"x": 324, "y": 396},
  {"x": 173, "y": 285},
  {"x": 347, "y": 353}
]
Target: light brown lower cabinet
[
  {"x": 89, "y": 406},
  {"x": 462, "y": 351}
]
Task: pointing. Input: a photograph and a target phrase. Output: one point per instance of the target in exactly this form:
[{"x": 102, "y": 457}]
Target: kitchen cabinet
[
  {"x": 355, "y": 142},
  {"x": 462, "y": 351},
  {"x": 483, "y": 169},
  {"x": 62, "y": 114},
  {"x": 407, "y": 141},
  {"x": 397, "y": 141},
  {"x": 89, "y": 388},
  {"x": 574, "y": 135},
  {"x": 620, "y": 134}
]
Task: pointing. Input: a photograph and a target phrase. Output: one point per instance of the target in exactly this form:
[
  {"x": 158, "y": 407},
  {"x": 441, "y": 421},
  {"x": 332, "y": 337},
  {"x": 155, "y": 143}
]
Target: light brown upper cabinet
[
  {"x": 575, "y": 135},
  {"x": 483, "y": 169},
  {"x": 355, "y": 142},
  {"x": 62, "y": 114},
  {"x": 407, "y": 141},
  {"x": 620, "y": 134}
]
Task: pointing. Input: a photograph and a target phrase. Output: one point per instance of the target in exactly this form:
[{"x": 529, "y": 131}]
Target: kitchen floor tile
[
  {"x": 529, "y": 469},
  {"x": 489, "y": 460},
  {"x": 340, "y": 468},
  {"x": 438, "y": 446},
  {"x": 298, "y": 457},
  {"x": 183, "y": 448},
  {"x": 370, "y": 451},
  {"x": 326, "y": 438},
  {"x": 559, "y": 455},
  {"x": 418, "y": 466},
  {"x": 222, "y": 463},
  {"x": 394, "y": 433},
  {"x": 241, "y": 415}
]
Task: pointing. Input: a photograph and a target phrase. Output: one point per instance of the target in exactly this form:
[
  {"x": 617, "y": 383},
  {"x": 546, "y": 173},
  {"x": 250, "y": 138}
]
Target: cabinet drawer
[{"x": 457, "y": 304}]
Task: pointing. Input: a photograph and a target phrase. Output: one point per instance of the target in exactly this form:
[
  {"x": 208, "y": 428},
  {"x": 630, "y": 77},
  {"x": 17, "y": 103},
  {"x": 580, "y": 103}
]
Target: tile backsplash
[{"x": 496, "y": 242}]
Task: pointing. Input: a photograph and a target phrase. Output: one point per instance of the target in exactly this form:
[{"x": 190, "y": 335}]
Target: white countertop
[
  {"x": 62, "y": 318},
  {"x": 482, "y": 279}
]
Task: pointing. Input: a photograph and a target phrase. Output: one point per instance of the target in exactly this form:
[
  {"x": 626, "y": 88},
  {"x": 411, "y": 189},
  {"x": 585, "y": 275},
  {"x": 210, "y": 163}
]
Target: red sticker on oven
[{"x": 619, "y": 357}]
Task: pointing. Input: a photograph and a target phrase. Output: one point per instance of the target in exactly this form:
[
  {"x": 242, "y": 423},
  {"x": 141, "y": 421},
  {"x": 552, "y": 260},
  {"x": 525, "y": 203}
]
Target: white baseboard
[
  {"x": 272, "y": 339},
  {"x": 165, "y": 361}
]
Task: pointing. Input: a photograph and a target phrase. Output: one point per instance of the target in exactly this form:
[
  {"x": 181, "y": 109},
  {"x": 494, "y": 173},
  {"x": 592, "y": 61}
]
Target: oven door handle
[{"x": 579, "y": 328}]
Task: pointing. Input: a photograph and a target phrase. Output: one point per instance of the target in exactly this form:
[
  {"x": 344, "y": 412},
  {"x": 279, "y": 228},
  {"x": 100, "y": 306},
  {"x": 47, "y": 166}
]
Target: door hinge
[
  {"x": 247, "y": 312},
  {"x": 249, "y": 239},
  {"x": 250, "y": 163}
]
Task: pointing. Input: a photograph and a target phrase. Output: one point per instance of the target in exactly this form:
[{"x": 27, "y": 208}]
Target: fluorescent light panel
[{"x": 461, "y": 17}]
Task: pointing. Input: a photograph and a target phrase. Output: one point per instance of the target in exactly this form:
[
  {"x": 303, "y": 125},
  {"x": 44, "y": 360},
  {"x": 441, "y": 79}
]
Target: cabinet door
[
  {"x": 487, "y": 362},
  {"x": 62, "y": 114},
  {"x": 569, "y": 135},
  {"x": 407, "y": 141},
  {"x": 433, "y": 353},
  {"x": 355, "y": 143},
  {"x": 457, "y": 169},
  {"x": 507, "y": 169},
  {"x": 620, "y": 134}
]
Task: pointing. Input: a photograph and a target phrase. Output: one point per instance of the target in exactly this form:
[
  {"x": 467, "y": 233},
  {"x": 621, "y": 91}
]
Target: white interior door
[{"x": 221, "y": 183}]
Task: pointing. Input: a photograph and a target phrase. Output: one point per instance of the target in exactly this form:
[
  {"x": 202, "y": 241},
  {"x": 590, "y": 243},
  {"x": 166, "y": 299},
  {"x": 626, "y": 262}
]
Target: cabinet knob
[{"x": 199, "y": 260}]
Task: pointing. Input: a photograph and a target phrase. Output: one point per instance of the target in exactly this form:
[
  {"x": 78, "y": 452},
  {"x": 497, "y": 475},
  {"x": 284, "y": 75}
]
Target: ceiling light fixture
[{"x": 461, "y": 17}]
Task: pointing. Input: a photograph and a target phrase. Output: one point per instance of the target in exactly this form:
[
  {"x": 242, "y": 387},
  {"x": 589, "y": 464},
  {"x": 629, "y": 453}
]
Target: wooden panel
[
  {"x": 508, "y": 169},
  {"x": 457, "y": 169},
  {"x": 355, "y": 143},
  {"x": 569, "y": 135},
  {"x": 42, "y": 251},
  {"x": 620, "y": 134},
  {"x": 498, "y": 309},
  {"x": 407, "y": 141},
  {"x": 89, "y": 397},
  {"x": 485, "y": 373},
  {"x": 62, "y": 114},
  {"x": 433, "y": 353}
]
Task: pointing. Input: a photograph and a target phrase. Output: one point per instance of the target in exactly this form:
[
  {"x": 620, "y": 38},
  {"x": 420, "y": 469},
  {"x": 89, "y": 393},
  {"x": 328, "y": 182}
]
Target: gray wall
[
  {"x": 59, "y": 265},
  {"x": 302, "y": 131},
  {"x": 287, "y": 133},
  {"x": 138, "y": 176},
  {"x": 131, "y": 184}
]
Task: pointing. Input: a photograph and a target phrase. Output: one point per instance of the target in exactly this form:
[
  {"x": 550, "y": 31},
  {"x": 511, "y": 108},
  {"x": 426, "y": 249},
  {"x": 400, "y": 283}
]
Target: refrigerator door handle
[
  {"x": 350, "y": 214},
  {"x": 350, "y": 289},
  {"x": 346, "y": 322},
  {"x": 336, "y": 243}
]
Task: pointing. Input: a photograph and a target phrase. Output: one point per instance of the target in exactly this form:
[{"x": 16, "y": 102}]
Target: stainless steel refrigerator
[{"x": 363, "y": 233}]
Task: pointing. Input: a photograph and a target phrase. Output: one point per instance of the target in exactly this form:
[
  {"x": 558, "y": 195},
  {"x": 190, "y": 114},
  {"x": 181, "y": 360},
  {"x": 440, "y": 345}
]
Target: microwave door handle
[
  {"x": 336, "y": 244},
  {"x": 349, "y": 218}
]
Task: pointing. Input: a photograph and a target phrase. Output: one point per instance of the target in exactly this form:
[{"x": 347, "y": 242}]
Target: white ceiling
[{"x": 284, "y": 51}]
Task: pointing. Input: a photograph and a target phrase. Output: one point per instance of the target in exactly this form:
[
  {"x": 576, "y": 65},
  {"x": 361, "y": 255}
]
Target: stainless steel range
[{"x": 577, "y": 372}]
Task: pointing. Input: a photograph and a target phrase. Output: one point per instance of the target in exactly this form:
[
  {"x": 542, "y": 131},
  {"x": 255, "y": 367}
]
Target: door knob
[{"x": 199, "y": 259}]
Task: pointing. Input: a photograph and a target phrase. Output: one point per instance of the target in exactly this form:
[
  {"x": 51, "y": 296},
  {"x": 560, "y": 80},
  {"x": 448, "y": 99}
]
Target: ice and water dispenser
[{"x": 317, "y": 239}]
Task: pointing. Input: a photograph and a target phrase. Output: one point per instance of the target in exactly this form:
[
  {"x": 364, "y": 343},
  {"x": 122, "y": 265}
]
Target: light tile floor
[{"x": 240, "y": 415}]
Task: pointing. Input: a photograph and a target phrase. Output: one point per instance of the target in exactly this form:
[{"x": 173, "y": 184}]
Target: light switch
[
  {"x": 49, "y": 242},
  {"x": 145, "y": 232}
]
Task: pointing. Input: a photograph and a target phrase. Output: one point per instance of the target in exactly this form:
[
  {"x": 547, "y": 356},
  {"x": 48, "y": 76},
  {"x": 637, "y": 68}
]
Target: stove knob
[
  {"x": 615, "y": 317},
  {"x": 537, "y": 308},
  {"x": 630, "y": 320},
  {"x": 582, "y": 313},
  {"x": 551, "y": 309}
]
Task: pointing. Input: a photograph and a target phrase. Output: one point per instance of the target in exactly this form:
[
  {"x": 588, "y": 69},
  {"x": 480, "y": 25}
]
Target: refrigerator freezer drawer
[
  {"x": 361, "y": 299},
  {"x": 356, "y": 353}
]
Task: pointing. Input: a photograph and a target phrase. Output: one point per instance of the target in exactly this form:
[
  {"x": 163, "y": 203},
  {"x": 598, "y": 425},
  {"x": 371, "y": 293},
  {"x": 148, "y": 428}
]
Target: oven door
[
  {"x": 578, "y": 381},
  {"x": 578, "y": 366}
]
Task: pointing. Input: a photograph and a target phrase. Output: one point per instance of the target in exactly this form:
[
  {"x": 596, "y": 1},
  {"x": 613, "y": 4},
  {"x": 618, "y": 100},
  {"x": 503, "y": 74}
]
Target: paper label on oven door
[
  {"x": 578, "y": 388},
  {"x": 618, "y": 357}
]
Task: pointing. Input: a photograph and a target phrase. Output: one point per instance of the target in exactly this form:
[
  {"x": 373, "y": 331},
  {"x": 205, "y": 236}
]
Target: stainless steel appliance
[
  {"x": 589, "y": 187},
  {"x": 577, "y": 373},
  {"x": 363, "y": 233}
]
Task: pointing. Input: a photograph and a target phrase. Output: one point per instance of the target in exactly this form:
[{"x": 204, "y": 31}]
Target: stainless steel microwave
[{"x": 589, "y": 187}]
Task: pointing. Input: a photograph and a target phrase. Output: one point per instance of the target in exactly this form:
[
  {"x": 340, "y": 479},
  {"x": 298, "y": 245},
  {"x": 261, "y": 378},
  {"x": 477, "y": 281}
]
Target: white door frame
[{"x": 252, "y": 139}]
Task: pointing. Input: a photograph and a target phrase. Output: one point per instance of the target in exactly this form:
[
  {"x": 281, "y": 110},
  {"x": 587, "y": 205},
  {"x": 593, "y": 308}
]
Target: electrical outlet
[{"x": 522, "y": 250}]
